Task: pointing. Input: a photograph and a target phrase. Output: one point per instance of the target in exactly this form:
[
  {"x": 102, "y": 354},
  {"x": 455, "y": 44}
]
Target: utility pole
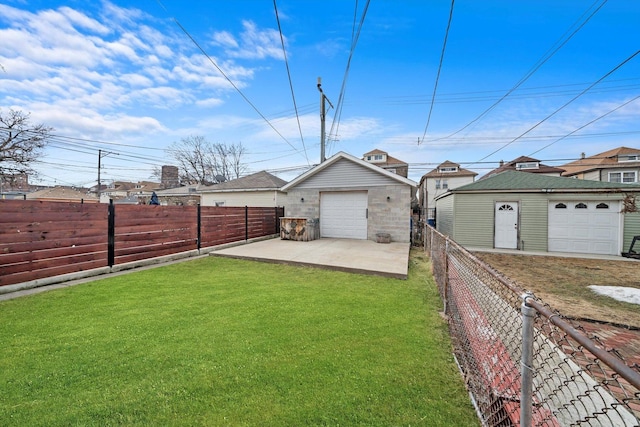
[
  {"x": 322, "y": 119},
  {"x": 100, "y": 156}
]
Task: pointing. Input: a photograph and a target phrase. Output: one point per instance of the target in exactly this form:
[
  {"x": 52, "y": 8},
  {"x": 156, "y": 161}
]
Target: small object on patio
[{"x": 383, "y": 237}]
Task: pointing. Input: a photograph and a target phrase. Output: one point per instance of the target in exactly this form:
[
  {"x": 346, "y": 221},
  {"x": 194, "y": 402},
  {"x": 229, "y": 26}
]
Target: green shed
[{"x": 532, "y": 212}]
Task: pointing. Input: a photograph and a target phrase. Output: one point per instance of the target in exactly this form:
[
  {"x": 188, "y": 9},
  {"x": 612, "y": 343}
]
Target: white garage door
[
  {"x": 344, "y": 215},
  {"x": 585, "y": 227}
]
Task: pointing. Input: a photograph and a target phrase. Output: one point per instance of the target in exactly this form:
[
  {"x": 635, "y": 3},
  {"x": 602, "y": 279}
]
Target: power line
[
  {"x": 550, "y": 52},
  {"x": 435, "y": 86},
  {"x": 564, "y": 105},
  {"x": 587, "y": 124},
  {"x": 237, "y": 89},
  {"x": 286, "y": 62},
  {"x": 335, "y": 124}
]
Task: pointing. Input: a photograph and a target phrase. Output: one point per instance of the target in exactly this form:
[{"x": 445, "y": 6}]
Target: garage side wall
[
  {"x": 473, "y": 219},
  {"x": 631, "y": 228},
  {"x": 391, "y": 216},
  {"x": 444, "y": 215}
]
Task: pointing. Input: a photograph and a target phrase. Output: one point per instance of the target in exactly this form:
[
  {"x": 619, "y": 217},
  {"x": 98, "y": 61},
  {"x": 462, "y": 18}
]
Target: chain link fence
[{"x": 523, "y": 363}]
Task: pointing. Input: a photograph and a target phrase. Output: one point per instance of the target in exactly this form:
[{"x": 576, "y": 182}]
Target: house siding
[
  {"x": 534, "y": 222},
  {"x": 244, "y": 198},
  {"x": 444, "y": 215},
  {"x": 473, "y": 219},
  {"x": 631, "y": 228},
  {"x": 345, "y": 174}
]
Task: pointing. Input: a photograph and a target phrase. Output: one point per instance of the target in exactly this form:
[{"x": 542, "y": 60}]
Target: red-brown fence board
[{"x": 41, "y": 239}]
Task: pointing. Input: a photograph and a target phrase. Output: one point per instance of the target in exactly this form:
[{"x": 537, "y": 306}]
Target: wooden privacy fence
[{"x": 42, "y": 239}]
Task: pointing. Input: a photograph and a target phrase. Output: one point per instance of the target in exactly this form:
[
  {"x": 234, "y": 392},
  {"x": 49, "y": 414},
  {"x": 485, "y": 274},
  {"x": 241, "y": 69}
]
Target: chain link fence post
[{"x": 526, "y": 361}]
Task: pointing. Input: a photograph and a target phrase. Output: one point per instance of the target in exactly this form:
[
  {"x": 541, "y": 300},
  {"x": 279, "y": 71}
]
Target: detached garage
[
  {"x": 532, "y": 212},
  {"x": 353, "y": 199}
]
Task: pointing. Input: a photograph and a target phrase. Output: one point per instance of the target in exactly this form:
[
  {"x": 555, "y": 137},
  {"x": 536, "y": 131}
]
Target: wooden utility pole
[{"x": 322, "y": 119}]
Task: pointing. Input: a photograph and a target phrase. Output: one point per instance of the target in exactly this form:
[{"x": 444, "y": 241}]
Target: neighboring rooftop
[
  {"x": 512, "y": 180},
  {"x": 525, "y": 164},
  {"x": 257, "y": 181},
  {"x": 65, "y": 194},
  {"x": 382, "y": 159},
  {"x": 621, "y": 157},
  {"x": 449, "y": 169}
]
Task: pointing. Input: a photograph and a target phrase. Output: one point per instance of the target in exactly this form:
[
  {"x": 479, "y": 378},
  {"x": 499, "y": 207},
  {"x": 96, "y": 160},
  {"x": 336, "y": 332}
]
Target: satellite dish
[{"x": 220, "y": 178}]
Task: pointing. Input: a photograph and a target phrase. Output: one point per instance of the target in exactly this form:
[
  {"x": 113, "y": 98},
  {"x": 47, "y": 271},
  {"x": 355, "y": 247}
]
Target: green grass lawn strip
[{"x": 227, "y": 342}]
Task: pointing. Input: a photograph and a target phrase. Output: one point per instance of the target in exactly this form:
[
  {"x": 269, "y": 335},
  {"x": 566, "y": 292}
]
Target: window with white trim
[
  {"x": 623, "y": 176},
  {"x": 629, "y": 158},
  {"x": 527, "y": 165},
  {"x": 437, "y": 184},
  {"x": 448, "y": 169}
]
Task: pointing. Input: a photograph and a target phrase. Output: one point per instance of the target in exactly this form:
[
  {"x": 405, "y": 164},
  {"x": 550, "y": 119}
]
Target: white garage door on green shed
[
  {"x": 585, "y": 227},
  {"x": 343, "y": 214}
]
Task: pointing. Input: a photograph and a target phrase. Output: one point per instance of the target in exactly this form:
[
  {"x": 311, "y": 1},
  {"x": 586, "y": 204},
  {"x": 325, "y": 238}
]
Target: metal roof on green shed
[{"x": 512, "y": 180}]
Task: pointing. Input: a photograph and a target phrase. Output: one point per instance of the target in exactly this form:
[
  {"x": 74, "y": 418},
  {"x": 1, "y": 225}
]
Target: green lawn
[{"x": 226, "y": 342}]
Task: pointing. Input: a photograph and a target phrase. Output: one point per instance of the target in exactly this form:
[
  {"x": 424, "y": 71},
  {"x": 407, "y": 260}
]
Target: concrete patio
[{"x": 355, "y": 256}]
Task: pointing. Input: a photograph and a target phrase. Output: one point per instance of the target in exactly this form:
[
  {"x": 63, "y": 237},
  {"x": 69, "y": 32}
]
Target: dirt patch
[{"x": 563, "y": 283}]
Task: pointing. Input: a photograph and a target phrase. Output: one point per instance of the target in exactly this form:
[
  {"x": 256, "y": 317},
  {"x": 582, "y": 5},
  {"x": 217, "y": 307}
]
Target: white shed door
[
  {"x": 585, "y": 227},
  {"x": 506, "y": 225},
  {"x": 344, "y": 214}
]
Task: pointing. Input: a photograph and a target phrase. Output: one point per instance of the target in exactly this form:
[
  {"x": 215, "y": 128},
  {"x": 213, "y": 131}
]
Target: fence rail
[
  {"x": 523, "y": 363},
  {"x": 42, "y": 239}
]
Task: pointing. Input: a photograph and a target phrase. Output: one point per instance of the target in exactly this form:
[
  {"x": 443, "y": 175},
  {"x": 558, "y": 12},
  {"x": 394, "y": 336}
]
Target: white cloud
[
  {"x": 225, "y": 39},
  {"x": 254, "y": 43}
]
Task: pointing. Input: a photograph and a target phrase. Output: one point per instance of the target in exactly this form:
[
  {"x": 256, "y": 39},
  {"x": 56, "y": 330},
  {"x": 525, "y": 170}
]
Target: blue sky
[{"x": 123, "y": 77}]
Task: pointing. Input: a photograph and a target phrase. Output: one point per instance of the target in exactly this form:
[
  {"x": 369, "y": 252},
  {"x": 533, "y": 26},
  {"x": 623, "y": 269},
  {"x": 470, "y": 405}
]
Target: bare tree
[
  {"x": 20, "y": 142},
  {"x": 203, "y": 162}
]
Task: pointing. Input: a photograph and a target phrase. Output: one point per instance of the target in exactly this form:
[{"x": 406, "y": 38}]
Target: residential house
[
  {"x": 188, "y": 195},
  {"x": 534, "y": 212},
  {"x": 353, "y": 198},
  {"x": 621, "y": 164},
  {"x": 436, "y": 182},
  {"x": 260, "y": 189},
  {"x": 62, "y": 194},
  {"x": 526, "y": 164},
  {"x": 385, "y": 161}
]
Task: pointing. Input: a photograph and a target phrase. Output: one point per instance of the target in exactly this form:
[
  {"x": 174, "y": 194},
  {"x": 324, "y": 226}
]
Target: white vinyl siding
[
  {"x": 345, "y": 174},
  {"x": 243, "y": 198}
]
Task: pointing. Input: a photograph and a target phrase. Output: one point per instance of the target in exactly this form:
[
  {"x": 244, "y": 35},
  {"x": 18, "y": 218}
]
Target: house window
[
  {"x": 369, "y": 158},
  {"x": 445, "y": 184},
  {"x": 602, "y": 206},
  {"x": 626, "y": 177},
  {"x": 378, "y": 157},
  {"x": 448, "y": 169},
  {"x": 629, "y": 158},
  {"x": 581, "y": 206},
  {"x": 505, "y": 208},
  {"x": 437, "y": 184},
  {"x": 561, "y": 206},
  {"x": 527, "y": 165}
]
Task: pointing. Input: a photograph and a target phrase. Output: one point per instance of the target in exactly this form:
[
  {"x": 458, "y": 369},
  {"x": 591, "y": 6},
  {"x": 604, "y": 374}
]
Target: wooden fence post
[
  {"x": 246, "y": 223},
  {"x": 111, "y": 234},
  {"x": 199, "y": 226}
]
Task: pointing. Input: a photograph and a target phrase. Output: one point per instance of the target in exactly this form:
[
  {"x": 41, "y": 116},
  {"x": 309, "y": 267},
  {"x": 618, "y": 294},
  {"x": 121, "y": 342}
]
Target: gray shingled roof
[
  {"x": 258, "y": 181},
  {"x": 512, "y": 180}
]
